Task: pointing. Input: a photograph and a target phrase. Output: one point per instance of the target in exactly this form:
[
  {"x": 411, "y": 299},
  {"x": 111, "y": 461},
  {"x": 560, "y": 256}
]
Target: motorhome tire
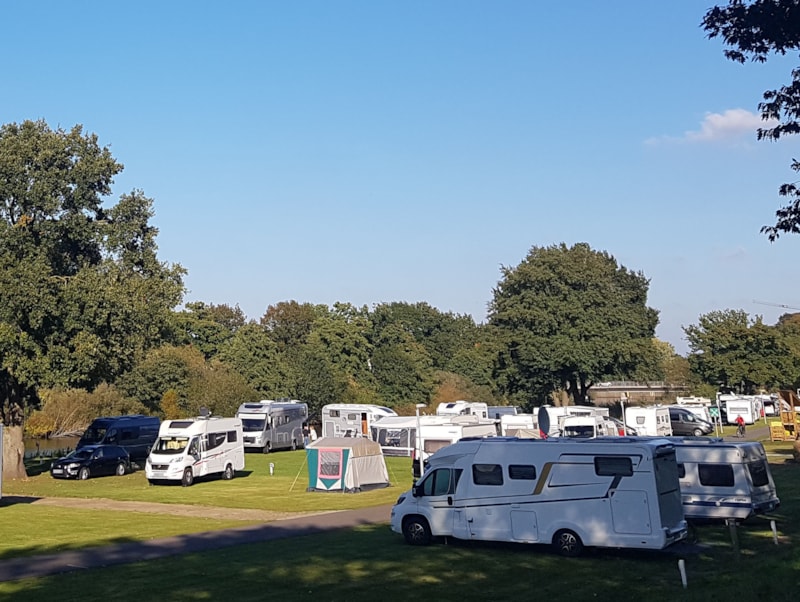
[
  {"x": 121, "y": 470},
  {"x": 228, "y": 474},
  {"x": 266, "y": 449},
  {"x": 294, "y": 445},
  {"x": 188, "y": 478},
  {"x": 83, "y": 473},
  {"x": 567, "y": 543},
  {"x": 416, "y": 531}
]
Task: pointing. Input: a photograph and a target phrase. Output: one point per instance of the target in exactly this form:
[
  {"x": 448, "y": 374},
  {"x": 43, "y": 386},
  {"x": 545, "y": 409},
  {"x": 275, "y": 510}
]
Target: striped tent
[{"x": 345, "y": 464}]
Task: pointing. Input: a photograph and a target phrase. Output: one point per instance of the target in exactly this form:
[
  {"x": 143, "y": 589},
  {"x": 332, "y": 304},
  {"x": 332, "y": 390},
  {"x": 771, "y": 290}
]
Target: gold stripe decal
[{"x": 543, "y": 478}]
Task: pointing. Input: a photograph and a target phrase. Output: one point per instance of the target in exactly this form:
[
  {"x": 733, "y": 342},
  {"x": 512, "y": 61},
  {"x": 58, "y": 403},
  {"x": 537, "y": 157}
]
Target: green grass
[
  {"x": 371, "y": 562},
  {"x": 283, "y": 491}
]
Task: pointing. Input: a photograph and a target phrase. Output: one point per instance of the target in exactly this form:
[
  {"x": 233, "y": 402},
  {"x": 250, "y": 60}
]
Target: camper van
[
  {"x": 651, "y": 421},
  {"x": 746, "y": 407},
  {"x": 196, "y": 447},
  {"x": 135, "y": 433},
  {"x": 724, "y": 479},
  {"x": 463, "y": 408},
  {"x": 269, "y": 425},
  {"x": 351, "y": 419},
  {"x": 614, "y": 492}
]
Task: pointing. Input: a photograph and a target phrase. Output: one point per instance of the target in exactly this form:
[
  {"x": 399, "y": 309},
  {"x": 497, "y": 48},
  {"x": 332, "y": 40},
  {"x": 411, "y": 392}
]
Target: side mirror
[{"x": 415, "y": 491}]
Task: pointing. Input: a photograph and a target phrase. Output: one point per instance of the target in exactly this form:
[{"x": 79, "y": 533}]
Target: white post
[
  {"x": 682, "y": 569},
  {"x": 419, "y": 406},
  {"x": 624, "y": 422}
]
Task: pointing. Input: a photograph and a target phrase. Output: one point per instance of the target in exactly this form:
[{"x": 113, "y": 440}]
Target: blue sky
[{"x": 368, "y": 152}]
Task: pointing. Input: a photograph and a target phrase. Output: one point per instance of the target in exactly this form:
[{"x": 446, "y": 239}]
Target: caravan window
[
  {"x": 758, "y": 473},
  {"x": 232, "y": 437},
  {"x": 522, "y": 472},
  {"x": 216, "y": 439},
  {"x": 442, "y": 481},
  {"x": 613, "y": 466},
  {"x": 487, "y": 474},
  {"x": 334, "y": 413},
  {"x": 716, "y": 475}
]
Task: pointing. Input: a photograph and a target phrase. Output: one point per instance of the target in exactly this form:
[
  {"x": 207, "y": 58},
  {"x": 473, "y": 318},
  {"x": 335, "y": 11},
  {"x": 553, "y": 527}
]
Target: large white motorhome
[
  {"x": 463, "y": 408},
  {"x": 437, "y": 432},
  {"x": 269, "y": 425},
  {"x": 614, "y": 492},
  {"x": 196, "y": 447},
  {"x": 724, "y": 479},
  {"x": 351, "y": 419},
  {"x": 650, "y": 421}
]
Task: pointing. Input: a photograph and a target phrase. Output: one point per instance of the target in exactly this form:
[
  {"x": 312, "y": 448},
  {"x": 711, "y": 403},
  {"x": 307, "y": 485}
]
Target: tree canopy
[
  {"x": 566, "y": 318},
  {"x": 755, "y": 30}
]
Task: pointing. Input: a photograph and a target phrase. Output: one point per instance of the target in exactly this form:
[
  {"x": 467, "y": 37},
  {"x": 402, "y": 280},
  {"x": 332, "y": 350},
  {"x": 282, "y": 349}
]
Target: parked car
[
  {"x": 686, "y": 423},
  {"x": 92, "y": 461}
]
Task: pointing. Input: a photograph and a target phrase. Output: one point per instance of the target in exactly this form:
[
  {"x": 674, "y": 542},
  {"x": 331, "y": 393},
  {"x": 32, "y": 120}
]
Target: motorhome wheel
[
  {"x": 567, "y": 543},
  {"x": 188, "y": 478},
  {"x": 294, "y": 445},
  {"x": 228, "y": 474},
  {"x": 121, "y": 469},
  {"x": 416, "y": 531},
  {"x": 83, "y": 473},
  {"x": 266, "y": 448}
]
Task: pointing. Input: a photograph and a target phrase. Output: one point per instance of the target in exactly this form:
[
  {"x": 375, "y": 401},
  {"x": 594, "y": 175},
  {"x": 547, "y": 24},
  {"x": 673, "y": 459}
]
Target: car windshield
[
  {"x": 80, "y": 454},
  {"x": 170, "y": 445}
]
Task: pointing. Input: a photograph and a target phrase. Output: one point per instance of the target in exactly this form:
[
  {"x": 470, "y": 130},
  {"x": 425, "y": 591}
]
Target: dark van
[{"x": 135, "y": 433}]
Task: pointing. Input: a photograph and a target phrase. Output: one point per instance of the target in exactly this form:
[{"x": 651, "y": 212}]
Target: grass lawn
[
  {"x": 254, "y": 487},
  {"x": 372, "y": 562}
]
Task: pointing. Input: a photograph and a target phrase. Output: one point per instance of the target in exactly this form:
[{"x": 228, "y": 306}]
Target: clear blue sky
[{"x": 367, "y": 152}]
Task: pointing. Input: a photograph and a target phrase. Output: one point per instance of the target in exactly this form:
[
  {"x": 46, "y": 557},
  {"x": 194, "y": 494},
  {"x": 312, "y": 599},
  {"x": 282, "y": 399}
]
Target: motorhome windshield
[
  {"x": 256, "y": 425},
  {"x": 586, "y": 431},
  {"x": 170, "y": 445}
]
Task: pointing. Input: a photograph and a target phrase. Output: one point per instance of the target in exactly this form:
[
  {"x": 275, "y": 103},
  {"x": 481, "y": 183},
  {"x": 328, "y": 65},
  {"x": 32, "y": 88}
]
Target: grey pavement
[{"x": 122, "y": 553}]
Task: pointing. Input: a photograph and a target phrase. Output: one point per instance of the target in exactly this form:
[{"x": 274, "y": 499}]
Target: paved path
[{"x": 63, "y": 562}]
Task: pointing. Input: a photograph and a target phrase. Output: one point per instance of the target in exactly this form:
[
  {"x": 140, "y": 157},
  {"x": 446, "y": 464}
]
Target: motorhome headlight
[{"x": 400, "y": 500}]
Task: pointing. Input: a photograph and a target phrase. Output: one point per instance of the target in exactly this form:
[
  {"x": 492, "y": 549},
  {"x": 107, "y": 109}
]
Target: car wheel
[
  {"x": 188, "y": 478},
  {"x": 567, "y": 543},
  {"x": 121, "y": 469},
  {"x": 83, "y": 473},
  {"x": 229, "y": 473},
  {"x": 416, "y": 531},
  {"x": 698, "y": 432}
]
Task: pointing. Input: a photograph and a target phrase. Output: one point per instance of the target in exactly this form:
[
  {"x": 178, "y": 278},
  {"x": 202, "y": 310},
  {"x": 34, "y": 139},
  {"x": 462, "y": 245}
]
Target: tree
[
  {"x": 567, "y": 317},
  {"x": 207, "y": 326},
  {"x": 755, "y": 30},
  {"x": 729, "y": 350},
  {"x": 252, "y": 353},
  {"x": 82, "y": 293},
  {"x": 402, "y": 368}
]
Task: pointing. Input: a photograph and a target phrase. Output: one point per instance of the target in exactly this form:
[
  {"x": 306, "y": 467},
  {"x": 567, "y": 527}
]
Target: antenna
[{"x": 776, "y": 305}]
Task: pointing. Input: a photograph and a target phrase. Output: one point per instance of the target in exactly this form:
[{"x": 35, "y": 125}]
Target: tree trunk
[{"x": 13, "y": 453}]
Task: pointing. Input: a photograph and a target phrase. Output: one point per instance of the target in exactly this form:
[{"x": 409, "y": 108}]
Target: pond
[{"x": 49, "y": 447}]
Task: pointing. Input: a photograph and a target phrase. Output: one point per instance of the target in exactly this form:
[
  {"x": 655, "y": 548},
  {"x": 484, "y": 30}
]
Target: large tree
[
  {"x": 566, "y": 318},
  {"x": 729, "y": 350},
  {"x": 755, "y": 30},
  {"x": 82, "y": 293}
]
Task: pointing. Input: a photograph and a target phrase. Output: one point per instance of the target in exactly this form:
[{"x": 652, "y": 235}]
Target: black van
[
  {"x": 685, "y": 423},
  {"x": 135, "y": 433}
]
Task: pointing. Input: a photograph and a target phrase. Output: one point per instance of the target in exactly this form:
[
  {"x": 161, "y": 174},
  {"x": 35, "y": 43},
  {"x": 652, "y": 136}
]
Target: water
[{"x": 49, "y": 447}]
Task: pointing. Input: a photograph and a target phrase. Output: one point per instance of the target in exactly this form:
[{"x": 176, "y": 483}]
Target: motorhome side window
[
  {"x": 231, "y": 436},
  {"x": 442, "y": 481},
  {"x": 716, "y": 475},
  {"x": 522, "y": 472},
  {"x": 613, "y": 466},
  {"x": 487, "y": 474},
  {"x": 216, "y": 439},
  {"x": 334, "y": 413}
]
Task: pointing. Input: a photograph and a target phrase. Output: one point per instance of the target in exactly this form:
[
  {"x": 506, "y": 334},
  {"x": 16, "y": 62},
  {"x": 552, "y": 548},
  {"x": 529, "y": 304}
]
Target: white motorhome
[
  {"x": 269, "y": 425},
  {"x": 196, "y": 447},
  {"x": 570, "y": 493},
  {"x": 551, "y": 417},
  {"x": 463, "y": 408},
  {"x": 651, "y": 421},
  {"x": 351, "y": 419},
  {"x": 746, "y": 407},
  {"x": 497, "y": 412},
  {"x": 587, "y": 426},
  {"x": 724, "y": 479}
]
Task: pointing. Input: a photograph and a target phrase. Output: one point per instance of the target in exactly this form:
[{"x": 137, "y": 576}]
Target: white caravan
[
  {"x": 269, "y": 425},
  {"x": 570, "y": 493},
  {"x": 437, "y": 432},
  {"x": 746, "y": 407},
  {"x": 551, "y": 417},
  {"x": 463, "y": 408},
  {"x": 587, "y": 426},
  {"x": 519, "y": 425},
  {"x": 724, "y": 479},
  {"x": 351, "y": 419},
  {"x": 196, "y": 447},
  {"x": 652, "y": 421},
  {"x": 699, "y": 406}
]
